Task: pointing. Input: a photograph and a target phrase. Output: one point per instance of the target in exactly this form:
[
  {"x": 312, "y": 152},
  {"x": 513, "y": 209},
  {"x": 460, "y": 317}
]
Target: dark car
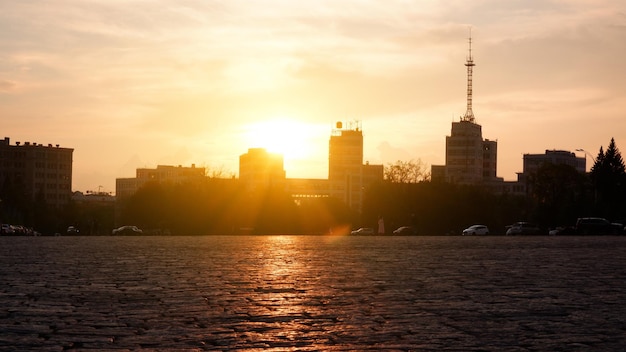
[
  {"x": 405, "y": 231},
  {"x": 562, "y": 231},
  {"x": 72, "y": 230},
  {"x": 523, "y": 228},
  {"x": 597, "y": 226},
  {"x": 127, "y": 230},
  {"x": 7, "y": 229}
]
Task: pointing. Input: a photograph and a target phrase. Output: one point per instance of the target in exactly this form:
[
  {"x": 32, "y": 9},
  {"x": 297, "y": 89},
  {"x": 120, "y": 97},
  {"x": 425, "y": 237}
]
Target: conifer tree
[
  {"x": 598, "y": 162},
  {"x": 609, "y": 179},
  {"x": 613, "y": 160}
]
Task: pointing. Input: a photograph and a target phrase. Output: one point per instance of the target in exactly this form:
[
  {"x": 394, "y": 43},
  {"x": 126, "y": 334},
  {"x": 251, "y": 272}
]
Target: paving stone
[{"x": 311, "y": 293}]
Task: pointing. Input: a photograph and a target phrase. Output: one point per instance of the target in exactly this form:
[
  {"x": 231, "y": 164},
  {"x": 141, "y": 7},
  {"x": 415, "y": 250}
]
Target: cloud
[
  {"x": 390, "y": 154},
  {"x": 7, "y": 86},
  {"x": 156, "y": 77}
]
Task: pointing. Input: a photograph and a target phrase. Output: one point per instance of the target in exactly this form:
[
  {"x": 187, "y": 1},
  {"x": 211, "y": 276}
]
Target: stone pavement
[{"x": 312, "y": 293}]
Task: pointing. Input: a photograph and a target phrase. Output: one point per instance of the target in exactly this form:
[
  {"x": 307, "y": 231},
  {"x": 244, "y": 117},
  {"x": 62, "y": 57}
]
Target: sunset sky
[{"x": 140, "y": 83}]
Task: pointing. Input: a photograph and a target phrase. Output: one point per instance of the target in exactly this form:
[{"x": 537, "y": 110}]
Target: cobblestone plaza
[{"x": 312, "y": 293}]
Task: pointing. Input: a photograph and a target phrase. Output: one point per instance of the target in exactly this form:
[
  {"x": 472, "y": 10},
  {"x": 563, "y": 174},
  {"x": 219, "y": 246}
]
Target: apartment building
[{"x": 42, "y": 172}]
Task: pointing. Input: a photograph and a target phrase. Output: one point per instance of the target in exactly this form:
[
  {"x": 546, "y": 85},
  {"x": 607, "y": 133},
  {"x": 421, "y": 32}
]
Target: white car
[{"x": 476, "y": 230}]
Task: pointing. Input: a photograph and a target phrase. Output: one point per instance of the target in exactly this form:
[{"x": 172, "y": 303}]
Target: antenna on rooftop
[{"x": 469, "y": 63}]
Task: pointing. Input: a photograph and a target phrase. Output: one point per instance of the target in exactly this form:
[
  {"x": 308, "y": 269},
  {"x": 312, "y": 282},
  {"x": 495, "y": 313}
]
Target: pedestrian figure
[{"x": 381, "y": 226}]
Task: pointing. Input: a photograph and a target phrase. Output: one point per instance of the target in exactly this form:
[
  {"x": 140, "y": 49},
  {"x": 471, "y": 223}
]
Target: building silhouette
[
  {"x": 126, "y": 187},
  {"x": 259, "y": 169},
  {"x": 532, "y": 162},
  {"x": 42, "y": 173},
  {"x": 348, "y": 176},
  {"x": 470, "y": 159}
]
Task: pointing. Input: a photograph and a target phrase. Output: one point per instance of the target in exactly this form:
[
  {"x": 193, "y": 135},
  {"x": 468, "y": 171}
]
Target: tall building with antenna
[
  {"x": 348, "y": 177},
  {"x": 470, "y": 159}
]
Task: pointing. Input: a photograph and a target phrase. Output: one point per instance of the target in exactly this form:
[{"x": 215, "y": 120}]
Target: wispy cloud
[{"x": 7, "y": 86}]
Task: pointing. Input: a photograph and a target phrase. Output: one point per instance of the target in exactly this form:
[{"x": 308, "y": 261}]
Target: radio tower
[{"x": 469, "y": 115}]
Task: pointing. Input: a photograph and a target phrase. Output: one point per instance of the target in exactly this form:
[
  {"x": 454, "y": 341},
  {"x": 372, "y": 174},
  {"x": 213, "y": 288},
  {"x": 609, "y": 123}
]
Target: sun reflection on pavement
[{"x": 285, "y": 299}]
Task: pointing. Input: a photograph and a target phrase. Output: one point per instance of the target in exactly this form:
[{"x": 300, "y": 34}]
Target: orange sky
[{"x": 135, "y": 83}]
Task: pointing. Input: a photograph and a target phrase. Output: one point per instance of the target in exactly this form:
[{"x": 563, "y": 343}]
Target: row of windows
[
  {"x": 17, "y": 164},
  {"x": 63, "y": 186},
  {"x": 295, "y": 195},
  {"x": 51, "y": 176},
  {"x": 461, "y": 152},
  {"x": 461, "y": 162},
  {"x": 50, "y": 155},
  {"x": 54, "y": 156},
  {"x": 38, "y": 165},
  {"x": 38, "y": 175},
  {"x": 51, "y": 166},
  {"x": 462, "y": 142},
  {"x": 345, "y": 150}
]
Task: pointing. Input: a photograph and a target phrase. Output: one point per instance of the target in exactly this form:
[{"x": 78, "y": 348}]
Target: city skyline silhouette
[{"x": 167, "y": 85}]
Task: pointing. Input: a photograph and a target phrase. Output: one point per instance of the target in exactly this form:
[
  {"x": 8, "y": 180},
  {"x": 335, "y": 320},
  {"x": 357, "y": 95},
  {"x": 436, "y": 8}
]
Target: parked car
[
  {"x": 72, "y": 230},
  {"x": 127, "y": 230},
  {"x": 405, "y": 231},
  {"x": 562, "y": 231},
  {"x": 476, "y": 230},
  {"x": 523, "y": 228},
  {"x": 7, "y": 229},
  {"x": 363, "y": 231},
  {"x": 597, "y": 226}
]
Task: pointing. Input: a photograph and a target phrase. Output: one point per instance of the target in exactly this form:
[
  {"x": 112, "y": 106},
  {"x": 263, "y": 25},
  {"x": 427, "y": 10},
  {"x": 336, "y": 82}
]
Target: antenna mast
[{"x": 469, "y": 115}]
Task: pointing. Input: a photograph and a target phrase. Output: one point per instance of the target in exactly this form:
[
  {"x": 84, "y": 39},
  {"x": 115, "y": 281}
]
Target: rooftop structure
[{"x": 469, "y": 114}]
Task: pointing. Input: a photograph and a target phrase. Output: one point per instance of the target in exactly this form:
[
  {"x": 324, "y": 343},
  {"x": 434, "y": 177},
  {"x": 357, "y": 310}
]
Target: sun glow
[{"x": 290, "y": 138}]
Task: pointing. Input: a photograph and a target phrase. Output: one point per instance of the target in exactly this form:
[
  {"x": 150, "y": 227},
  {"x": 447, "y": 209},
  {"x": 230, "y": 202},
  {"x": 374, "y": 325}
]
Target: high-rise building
[
  {"x": 470, "y": 159},
  {"x": 260, "y": 169},
  {"x": 40, "y": 172},
  {"x": 347, "y": 175}
]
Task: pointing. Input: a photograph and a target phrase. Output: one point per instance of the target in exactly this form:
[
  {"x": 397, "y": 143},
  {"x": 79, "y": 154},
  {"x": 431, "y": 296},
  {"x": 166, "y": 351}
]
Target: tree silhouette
[
  {"x": 437, "y": 208},
  {"x": 412, "y": 171},
  {"x": 608, "y": 175}
]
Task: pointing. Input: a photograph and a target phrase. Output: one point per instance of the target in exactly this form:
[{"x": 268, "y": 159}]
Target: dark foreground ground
[{"x": 310, "y": 293}]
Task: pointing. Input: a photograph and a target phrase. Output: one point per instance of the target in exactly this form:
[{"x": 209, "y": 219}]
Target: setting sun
[{"x": 291, "y": 138}]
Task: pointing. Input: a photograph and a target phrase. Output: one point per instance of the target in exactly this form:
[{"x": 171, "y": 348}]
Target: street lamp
[
  {"x": 587, "y": 153},
  {"x": 595, "y": 188}
]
